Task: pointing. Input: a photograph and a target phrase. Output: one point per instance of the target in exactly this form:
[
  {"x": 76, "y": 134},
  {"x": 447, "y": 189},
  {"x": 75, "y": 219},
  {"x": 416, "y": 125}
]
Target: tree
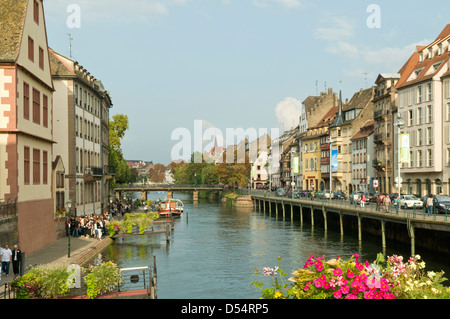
[{"x": 117, "y": 128}]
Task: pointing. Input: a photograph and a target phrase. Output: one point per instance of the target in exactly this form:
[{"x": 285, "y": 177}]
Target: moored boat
[{"x": 170, "y": 207}]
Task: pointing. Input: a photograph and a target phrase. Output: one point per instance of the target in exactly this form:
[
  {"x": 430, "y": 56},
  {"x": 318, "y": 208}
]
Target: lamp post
[
  {"x": 330, "y": 140},
  {"x": 399, "y": 124},
  {"x": 69, "y": 206}
]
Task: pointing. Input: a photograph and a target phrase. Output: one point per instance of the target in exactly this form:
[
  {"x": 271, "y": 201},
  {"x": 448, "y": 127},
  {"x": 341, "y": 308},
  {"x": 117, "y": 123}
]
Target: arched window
[
  {"x": 419, "y": 187},
  {"x": 438, "y": 183},
  {"x": 428, "y": 185}
]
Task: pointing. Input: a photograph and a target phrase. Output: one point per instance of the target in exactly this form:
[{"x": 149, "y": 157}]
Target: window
[
  {"x": 430, "y": 135},
  {"x": 430, "y": 53},
  {"x": 36, "y": 166},
  {"x": 419, "y": 137},
  {"x": 419, "y": 158},
  {"x": 430, "y": 113},
  {"x": 419, "y": 115},
  {"x": 421, "y": 56},
  {"x": 430, "y": 91},
  {"x": 26, "y": 101},
  {"x": 30, "y": 49},
  {"x": 419, "y": 94},
  {"x": 440, "y": 49},
  {"x": 45, "y": 111},
  {"x": 410, "y": 118},
  {"x": 430, "y": 157},
  {"x": 44, "y": 167},
  {"x": 36, "y": 11},
  {"x": 26, "y": 165},
  {"x": 36, "y": 106},
  {"x": 41, "y": 58}
]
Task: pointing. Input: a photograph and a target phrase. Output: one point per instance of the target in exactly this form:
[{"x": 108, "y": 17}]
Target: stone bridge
[{"x": 169, "y": 188}]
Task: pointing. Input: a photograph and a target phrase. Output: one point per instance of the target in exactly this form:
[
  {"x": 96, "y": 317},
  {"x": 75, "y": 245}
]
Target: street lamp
[
  {"x": 399, "y": 123},
  {"x": 330, "y": 140},
  {"x": 69, "y": 206}
]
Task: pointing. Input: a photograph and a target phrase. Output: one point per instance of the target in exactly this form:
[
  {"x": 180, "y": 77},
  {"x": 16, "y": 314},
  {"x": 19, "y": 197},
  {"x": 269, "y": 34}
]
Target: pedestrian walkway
[{"x": 81, "y": 250}]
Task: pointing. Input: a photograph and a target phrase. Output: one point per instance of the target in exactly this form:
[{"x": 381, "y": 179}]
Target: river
[{"x": 214, "y": 250}]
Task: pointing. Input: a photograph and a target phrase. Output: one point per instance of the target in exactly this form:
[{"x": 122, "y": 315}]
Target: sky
[{"x": 228, "y": 64}]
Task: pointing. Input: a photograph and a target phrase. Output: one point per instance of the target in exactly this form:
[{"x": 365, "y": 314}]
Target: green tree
[{"x": 117, "y": 128}]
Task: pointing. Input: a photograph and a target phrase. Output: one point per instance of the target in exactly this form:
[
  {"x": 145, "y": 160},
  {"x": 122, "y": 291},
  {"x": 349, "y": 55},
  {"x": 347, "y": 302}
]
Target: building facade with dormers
[
  {"x": 26, "y": 121},
  {"x": 423, "y": 104},
  {"x": 82, "y": 119}
]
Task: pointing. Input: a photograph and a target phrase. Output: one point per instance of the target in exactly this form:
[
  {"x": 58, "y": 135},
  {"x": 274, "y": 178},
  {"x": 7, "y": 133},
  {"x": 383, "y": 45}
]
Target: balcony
[
  {"x": 378, "y": 114},
  {"x": 92, "y": 173}
]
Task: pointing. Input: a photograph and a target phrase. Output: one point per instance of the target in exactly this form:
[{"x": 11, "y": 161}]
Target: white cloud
[
  {"x": 289, "y": 4},
  {"x": 336, "y": 28},
  {"x": 288, "y": 112},
  {"x": 117, "y": 10}
]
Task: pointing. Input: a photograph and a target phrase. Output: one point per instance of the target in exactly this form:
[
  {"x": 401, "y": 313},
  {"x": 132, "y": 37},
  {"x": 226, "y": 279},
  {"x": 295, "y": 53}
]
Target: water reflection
[{"x": 214, "y": 249}]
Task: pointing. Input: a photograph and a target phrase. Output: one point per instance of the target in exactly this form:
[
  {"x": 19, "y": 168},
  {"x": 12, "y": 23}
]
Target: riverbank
[
  {"x": 235, "y": 200},
  {"x": 82, "y": 250}
]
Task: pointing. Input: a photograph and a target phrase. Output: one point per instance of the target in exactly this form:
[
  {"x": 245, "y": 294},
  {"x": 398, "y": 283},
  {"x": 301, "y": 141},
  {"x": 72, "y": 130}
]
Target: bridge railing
[
  {"x": 414, "y": 213},
  {"x": 169, "y": 186}
]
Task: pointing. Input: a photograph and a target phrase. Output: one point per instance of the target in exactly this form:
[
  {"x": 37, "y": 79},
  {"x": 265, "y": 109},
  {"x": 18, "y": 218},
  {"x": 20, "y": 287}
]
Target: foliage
[
  {"x": 101, "y": 279},
  {"x": 203, "y": 172},
  {"x": 44, "y": 282},
  {"x": 350, "y": 279},
  {"x": 141, "y": 220},
  {"x": 117, "y": 128}
]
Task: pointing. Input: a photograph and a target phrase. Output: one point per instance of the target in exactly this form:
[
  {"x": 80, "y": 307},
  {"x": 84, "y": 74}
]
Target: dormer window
[
  {"x": 421, "y": 56},
  {"x": 430, "y": 53},
  {"x": 440, "y": 49}
]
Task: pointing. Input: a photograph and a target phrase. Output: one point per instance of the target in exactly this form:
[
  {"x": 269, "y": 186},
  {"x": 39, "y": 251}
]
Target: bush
[
  {"x": 103, "y": 278},
  {"x": 350, "y": 279},
  {"x": 42, "y": 282}
]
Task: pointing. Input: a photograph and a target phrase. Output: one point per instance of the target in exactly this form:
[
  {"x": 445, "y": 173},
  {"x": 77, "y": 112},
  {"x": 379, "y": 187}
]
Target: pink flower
[
  {"x": 345, "y": 289},
  {"x": 307, "y": 285},
  {"x": 351, "y": 296},
  {"x": 337, "y": 294},
  {"x": 319, "y": 266},
  {"x": 337, "y": 272},
  {"x": 350, "y": 274}
]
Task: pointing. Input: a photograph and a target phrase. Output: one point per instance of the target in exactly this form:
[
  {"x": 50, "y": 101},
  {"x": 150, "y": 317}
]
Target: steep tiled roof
[
  {"x": 428, "y": 67},
  {"x": 58, "y": 68},
  {"x": 364, "y": 131},
  {"x": 12, "y": 20},
  {"x": 360, "y": 99}
]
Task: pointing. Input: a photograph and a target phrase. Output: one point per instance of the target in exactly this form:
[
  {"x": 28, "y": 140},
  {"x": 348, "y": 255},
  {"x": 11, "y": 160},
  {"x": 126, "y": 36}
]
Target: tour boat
[{"x": 170, "y": 207}]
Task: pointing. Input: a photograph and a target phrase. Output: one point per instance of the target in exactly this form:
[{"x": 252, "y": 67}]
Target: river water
[{"x": 214, "y": 250}]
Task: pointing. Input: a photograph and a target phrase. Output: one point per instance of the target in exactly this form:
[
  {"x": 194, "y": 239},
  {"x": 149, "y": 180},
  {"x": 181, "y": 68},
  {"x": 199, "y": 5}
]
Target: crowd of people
[{"x": 89, "y": 226}]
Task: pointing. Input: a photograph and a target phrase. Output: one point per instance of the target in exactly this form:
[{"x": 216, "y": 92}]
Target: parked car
[
  {"x": 327, "y": 194},
  {"x": 280, "y": 192},
  {"x": 339, "y": 195},
  {"x": 441, "y": 204},
  {"x": 410, "y": 201}
]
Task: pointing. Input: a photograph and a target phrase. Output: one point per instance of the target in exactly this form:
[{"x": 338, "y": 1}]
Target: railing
[
  {"x": 413, "y": 213},
  {"x": 170, "y": 186},
  {"x": 8, "y": 208}
]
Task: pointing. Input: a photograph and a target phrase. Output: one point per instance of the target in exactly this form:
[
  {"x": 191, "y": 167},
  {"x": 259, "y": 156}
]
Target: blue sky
[{"x": 232, "y": 63}]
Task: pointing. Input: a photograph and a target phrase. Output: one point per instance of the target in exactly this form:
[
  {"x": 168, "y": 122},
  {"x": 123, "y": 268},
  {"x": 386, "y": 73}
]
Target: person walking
[
  {"x": 16, "y": 260},
  {"x": 363, "y": 200},
  {"x": 396, "y": 203},
  {"x": 429, "y": 204},
  {"x": 6, "y": 259},
  {"x": 378, "y": 202},
  {"x": 387, "y": 203}
]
